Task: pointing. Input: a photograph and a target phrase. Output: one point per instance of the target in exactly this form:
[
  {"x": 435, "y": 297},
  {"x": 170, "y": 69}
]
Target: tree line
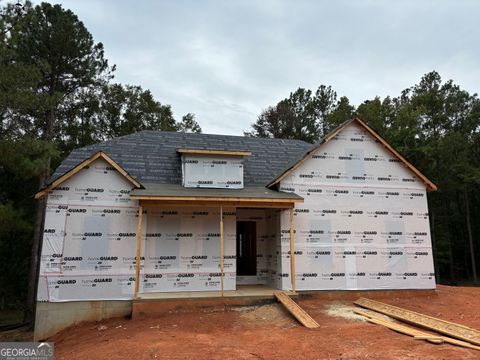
[
  {"x": 57, "y": 93},
  {"x": 436, "y": 125}
]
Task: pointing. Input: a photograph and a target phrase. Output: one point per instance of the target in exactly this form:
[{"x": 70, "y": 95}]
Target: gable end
[
  {"x": 81, "y": 166},
  {"x": 429, "y": 184}
]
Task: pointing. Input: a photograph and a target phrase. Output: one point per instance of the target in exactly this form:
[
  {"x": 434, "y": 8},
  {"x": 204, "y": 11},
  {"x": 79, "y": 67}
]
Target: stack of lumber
[{"x": 459, "y": 335}]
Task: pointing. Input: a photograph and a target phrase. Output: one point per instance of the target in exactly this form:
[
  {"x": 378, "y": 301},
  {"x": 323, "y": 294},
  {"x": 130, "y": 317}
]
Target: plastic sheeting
[
  {"x": 212, "y": 171},
  {"x": 364, "y": 223}
]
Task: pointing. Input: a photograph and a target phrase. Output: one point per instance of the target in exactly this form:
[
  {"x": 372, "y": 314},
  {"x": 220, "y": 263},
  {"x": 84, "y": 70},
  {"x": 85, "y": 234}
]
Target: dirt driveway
[{"x": 268, "y": 332}]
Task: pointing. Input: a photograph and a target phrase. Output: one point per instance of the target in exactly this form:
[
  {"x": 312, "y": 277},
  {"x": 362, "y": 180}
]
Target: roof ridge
[{"x": 214, "y": 135}]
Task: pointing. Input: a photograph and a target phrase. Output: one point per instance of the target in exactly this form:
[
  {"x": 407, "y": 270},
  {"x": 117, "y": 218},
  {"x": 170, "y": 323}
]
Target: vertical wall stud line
[
  {"x": 222, "y": 250},
  {"x": 292, "y": 252},
  {"x": 139, "y": 250}
]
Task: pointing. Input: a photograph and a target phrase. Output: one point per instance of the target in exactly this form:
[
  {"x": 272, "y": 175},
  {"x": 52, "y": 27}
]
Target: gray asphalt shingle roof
[{"x": 151, "y": 157}]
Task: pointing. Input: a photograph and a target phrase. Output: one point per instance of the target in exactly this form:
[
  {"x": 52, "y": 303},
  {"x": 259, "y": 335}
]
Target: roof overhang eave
[{"x": 279, "y": 203}]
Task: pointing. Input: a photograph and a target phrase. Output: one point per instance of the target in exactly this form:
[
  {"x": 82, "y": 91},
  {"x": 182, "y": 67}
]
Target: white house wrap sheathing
[
  {"x": 182, "y": 249},
  {"x": 364, "y": 223},
  {"x": 89, "y": 242},
  {"x": 273, "y": 250},
  {"x": 208, "y": 171}
]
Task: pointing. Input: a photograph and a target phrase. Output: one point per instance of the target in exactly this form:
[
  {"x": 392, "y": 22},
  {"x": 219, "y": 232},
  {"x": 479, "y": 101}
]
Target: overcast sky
[{"x": 226, "y": 61}]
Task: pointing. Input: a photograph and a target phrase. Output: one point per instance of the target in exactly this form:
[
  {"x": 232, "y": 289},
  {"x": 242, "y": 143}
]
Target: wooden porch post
[
  {"x": 292, "y": 252},
  {"x": 139, "y": 250},
  {"x": 222, "y": 250}
]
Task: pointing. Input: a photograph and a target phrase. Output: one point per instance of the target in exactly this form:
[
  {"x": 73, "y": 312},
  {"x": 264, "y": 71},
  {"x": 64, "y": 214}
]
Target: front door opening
[{"x": 246, "y": 248}]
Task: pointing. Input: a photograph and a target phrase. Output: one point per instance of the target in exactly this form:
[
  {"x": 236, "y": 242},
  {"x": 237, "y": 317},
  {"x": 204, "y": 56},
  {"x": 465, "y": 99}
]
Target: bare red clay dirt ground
[{"x": 269, "y": 332}]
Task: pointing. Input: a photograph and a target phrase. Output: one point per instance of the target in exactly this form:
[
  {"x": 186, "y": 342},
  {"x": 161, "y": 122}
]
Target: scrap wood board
[
  {"x": 296, "y": 310},
  {"x": 417, "y": 334},
  {"x": 444, "y": 327}
]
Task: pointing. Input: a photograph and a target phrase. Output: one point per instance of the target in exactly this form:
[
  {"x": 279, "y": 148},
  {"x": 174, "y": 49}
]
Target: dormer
[{"x": 221, "y": 169}]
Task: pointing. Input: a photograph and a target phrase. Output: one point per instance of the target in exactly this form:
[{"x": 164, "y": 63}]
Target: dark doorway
[{"x": 246, "y": 248}]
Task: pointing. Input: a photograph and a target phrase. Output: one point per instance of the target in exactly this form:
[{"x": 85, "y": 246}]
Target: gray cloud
[{"x": 225, "y": 61}]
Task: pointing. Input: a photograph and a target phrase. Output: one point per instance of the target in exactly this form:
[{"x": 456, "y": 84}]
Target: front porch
[{"x": 196, "y": 253}]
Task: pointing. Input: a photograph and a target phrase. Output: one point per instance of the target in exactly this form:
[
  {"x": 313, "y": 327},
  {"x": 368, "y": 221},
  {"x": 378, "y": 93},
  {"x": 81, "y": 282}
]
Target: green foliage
[
  {"x": 118, "y": 110},
  {"x": 304, "y": 115},
  {"x": 341, "y": 112},
  {"x": 26, "y": 158},
  {"x": 189, "y": 124},
  {"x": 15, "y": 235},
  {"x": 54, "y": 45},
  {"x": 21, "y": 163},
  {"x": 11, "y": 220},
  {"x": 124, "y": 110}
]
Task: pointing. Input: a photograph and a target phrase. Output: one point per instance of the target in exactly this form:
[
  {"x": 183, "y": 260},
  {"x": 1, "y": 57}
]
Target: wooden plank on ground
[
  {"x": 442, "y": 326},
  {"x": 375, "y": 319},
  {"x": 296, "y": 310},
  {"x": 417, "y": 334}
]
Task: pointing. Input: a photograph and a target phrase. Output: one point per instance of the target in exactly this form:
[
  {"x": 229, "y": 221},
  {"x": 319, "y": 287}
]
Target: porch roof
[{"x": 253, "y": 195}]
